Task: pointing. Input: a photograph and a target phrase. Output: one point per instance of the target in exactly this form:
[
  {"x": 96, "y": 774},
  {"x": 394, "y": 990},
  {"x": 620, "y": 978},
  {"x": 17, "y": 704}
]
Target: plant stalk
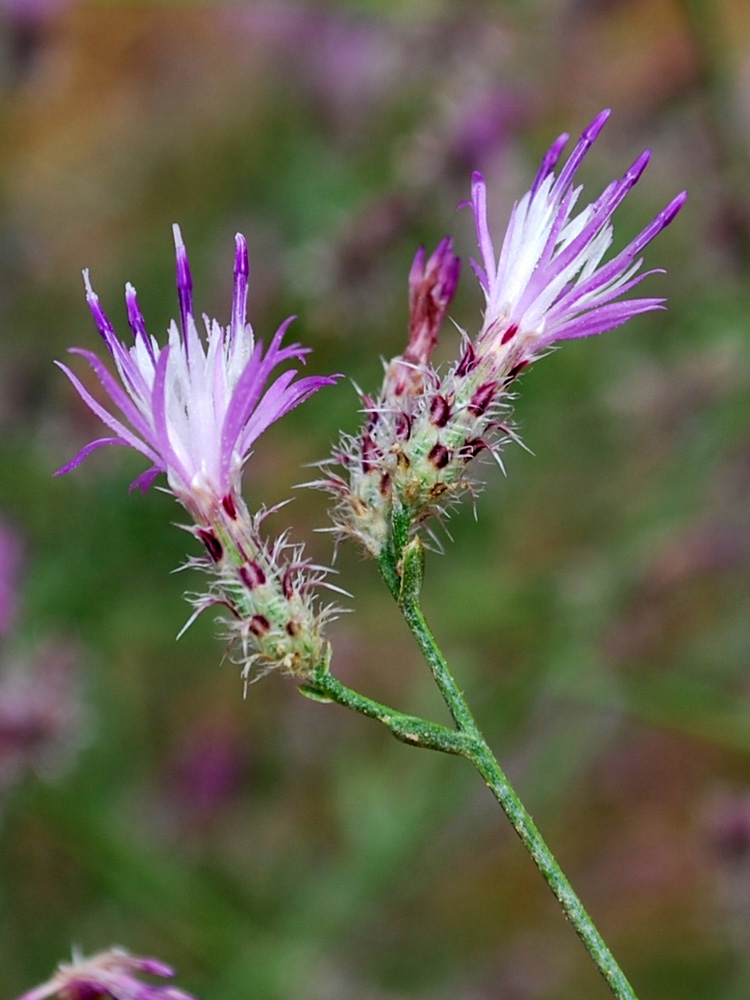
[{"x": 409, "y": 569}]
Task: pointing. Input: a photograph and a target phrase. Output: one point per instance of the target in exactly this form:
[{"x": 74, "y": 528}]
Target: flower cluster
[
  {"x": 549, "y": 283},
  {"x": 42, "y": 719},
  {"x": 194, "y": 408},
  {"x": 109, "y": 975}
]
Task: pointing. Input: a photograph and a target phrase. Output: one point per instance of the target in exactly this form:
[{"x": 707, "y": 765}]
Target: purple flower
[
  {"x": 108, "y": 974},
  {"x": 549, "y": 282},
  {"x": 42, "y": 718},
  {"x": 11, "y": 558},
  {"x": 195, "y": 407}
]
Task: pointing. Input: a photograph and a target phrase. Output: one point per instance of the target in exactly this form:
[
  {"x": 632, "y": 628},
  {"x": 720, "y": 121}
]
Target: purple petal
[
  {"x": 584, "y": 144},
  {"x": 239, "y": 296},
  {"x": 279, "y": 400},
  {"x": 549, "y": 161},
  {"x": 479, "y": 206},
  {"x": 85, "y": 452},
  {"x": 135, "y": 320},
  {"x": 184, "y": 280},
  {"x": 144, "y": 481},
  {"x": 566, "y": 305},
  {"x": 598, "y": 320},
  {"x": 124, "y": 403},
  {"x": 152, "y": 966},
  {"x": 159, "y": 409},
  {"x": 106, "y": 417}
]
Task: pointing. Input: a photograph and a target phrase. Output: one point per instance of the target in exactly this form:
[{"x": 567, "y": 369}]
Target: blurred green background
[{"x": 595, "y": 612}]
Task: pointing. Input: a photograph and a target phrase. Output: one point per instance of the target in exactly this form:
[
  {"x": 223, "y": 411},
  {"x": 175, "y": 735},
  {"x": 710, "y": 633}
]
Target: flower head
[
  {"x": 43, "y": 721},
  {"x": 549, "y": 282},
  {"x": 109, "y": 974},
  {"x": 414, "y": 455},
  {"x": 194, "y": 407},
  {"x": 11, "y": 558}
]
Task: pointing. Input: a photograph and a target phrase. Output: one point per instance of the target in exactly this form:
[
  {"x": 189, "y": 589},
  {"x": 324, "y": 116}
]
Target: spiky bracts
[
  {"x": 275, "y": 620},
  {"x": 195, "y": 407},
  {"x": 549, "y": 283},
  {"x": 413, "y": 458}
]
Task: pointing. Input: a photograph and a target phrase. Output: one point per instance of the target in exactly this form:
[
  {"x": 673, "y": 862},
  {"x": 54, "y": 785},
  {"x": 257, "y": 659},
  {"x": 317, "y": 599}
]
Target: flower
[
  {"x": 549, "y": 283},
  {"x": 11, "y": 558},
  {"x": 42, "y": 717},
  {"x": 108, "y": 974},
  {"x": 193, "y": 408},
  {"x": 424, "y": 430}
]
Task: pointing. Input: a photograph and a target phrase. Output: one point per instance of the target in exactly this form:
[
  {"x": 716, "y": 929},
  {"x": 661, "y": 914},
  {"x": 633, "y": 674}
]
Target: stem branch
[
  {"x": 322, "y": 685},
  {"x": 475, "y": 748}
]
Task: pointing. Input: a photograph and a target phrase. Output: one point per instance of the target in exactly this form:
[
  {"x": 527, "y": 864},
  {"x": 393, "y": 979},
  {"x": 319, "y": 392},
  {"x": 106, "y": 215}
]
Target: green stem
[
  {"x": 476, "y": 749},
  {"x": 323, "y": 686}
]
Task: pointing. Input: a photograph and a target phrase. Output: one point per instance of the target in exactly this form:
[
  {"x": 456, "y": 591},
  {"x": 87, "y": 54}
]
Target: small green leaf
[
  {"x": 314, "y": 694},
  {"x": 413, "y": 571}
]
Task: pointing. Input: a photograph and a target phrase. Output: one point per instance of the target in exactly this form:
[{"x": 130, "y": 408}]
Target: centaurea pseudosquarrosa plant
[
  {"x": 194, "y": 408},
  {"x": 195, "y": 411},
  {"x": 412, "y": 458}
]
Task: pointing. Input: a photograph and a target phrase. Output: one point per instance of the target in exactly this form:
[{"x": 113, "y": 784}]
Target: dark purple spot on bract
[
  {"x": 440, "y": 411},
  {"x": 402, "y": 424},
  {"x": 472, "y": 448},
  {"x": 468, "y": 361},
  {"x": 439, "y": 456},
  {"x": 482, "y": 398},
  {"x": 228, "y": 505},
  {"x": 260, "y": 625},
  {"x": 212, "y": 543},
  {"x": 370, "y": 453},
  {"x": 516, "y": 371},
  {"x": 252, "y": 575}
]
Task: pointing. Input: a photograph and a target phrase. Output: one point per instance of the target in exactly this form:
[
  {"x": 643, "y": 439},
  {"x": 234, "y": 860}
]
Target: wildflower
[
  {"x": 42, "y": 720},
  {"x": 11, "y": 554},
  {"x": 193, "y": 408},
  {"x": 108, "y": 974},
  {"x": 549, "y": 283},
  {"x": 376, "y": 460}
]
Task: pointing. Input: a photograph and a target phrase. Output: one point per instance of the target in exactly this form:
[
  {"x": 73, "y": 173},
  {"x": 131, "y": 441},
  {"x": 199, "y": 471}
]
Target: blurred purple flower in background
[
  {"x": 108, "y": 974},
  {"x": 11, "y": 551},
  {"x": 206, "y": 772},
  {"x": 32, "y": 12},
  {"x": 41, "y": 714}
]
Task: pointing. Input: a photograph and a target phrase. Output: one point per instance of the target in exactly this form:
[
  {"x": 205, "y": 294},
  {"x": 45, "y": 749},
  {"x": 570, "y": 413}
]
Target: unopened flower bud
[
  {"x": 432, "y": 286},
  {"x": 431, "y": 290}
]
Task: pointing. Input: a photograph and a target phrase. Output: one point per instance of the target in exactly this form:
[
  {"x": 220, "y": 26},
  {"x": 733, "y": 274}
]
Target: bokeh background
[{"x": 595, "y": 612}]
